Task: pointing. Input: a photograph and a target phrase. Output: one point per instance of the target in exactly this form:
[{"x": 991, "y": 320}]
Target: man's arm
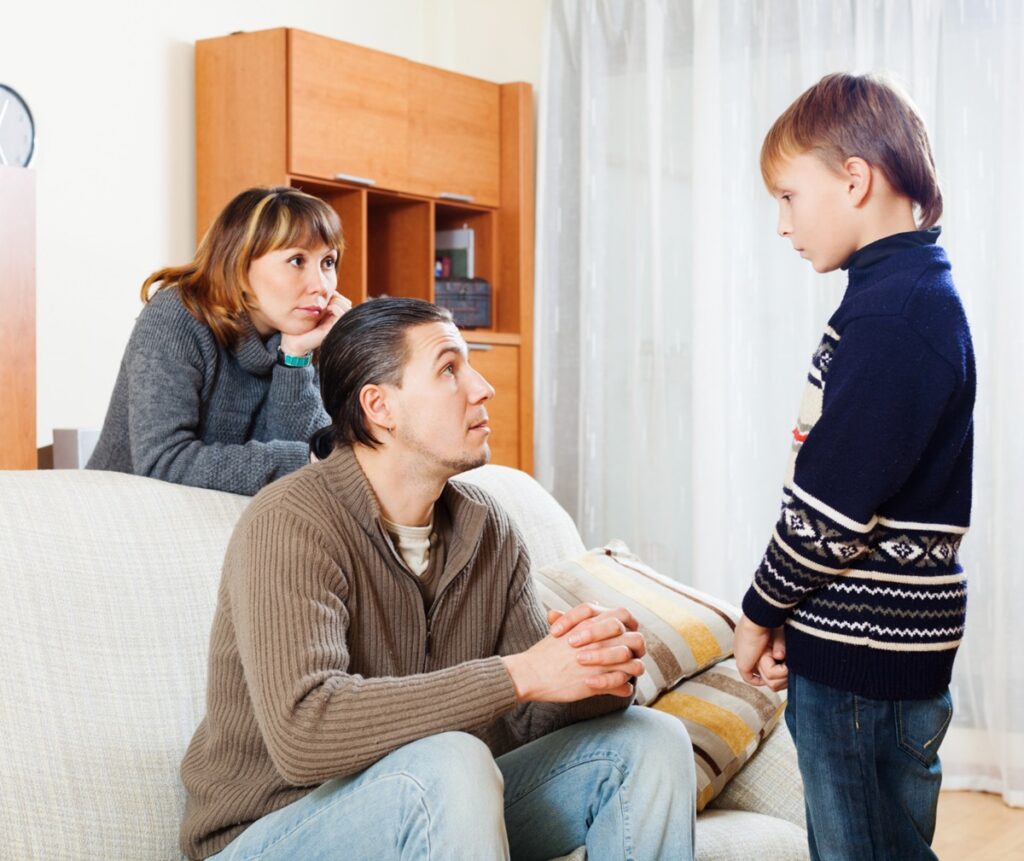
[
  {"x": 598, "y": 688},
  {"x": 318, "y": 720}
]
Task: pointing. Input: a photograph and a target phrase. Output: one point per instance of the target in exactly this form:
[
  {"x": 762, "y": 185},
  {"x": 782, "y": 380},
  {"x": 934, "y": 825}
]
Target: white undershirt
[{"x": 412, "y": 543}]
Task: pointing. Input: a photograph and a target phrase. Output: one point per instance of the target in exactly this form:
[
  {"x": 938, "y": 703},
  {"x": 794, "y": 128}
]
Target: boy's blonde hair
[{"x": 845, "y": 115}]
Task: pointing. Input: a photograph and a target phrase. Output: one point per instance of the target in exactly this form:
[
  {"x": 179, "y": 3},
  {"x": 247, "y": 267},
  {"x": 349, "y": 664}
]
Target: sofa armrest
[{"x": 769, "y": 783}]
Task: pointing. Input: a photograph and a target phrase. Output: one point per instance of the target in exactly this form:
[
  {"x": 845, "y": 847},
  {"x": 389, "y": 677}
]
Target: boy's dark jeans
[{"x": 871, "y": 771}]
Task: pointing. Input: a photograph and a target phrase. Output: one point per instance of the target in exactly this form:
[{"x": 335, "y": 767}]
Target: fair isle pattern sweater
[
  {"x": 187, "y": 410},
  {"x": 862, "y": 566},
  {"x": 323, "y": 657}
]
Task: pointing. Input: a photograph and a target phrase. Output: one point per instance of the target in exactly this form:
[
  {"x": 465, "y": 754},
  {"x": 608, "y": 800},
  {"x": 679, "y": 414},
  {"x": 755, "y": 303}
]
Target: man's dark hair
[{"x": 367, "y": 346}]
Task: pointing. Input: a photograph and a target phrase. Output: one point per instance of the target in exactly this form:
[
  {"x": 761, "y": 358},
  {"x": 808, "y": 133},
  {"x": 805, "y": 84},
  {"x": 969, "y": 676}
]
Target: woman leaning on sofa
[{"x": 217, "y": 387}]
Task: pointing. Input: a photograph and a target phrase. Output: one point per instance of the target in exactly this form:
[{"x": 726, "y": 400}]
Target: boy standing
[{"x": 862, "y": 567}]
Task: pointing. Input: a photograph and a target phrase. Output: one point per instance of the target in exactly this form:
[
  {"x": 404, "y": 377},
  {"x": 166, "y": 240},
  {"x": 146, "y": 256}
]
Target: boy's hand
[
  {"x": 760, "y": 655},
  {"x": 772, "y": 666}
]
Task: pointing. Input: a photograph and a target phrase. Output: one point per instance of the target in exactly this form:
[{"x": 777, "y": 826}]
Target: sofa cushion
[
  {"x": 726, "y": 718},
  {"x": 686, "y": 630},
  {"x": 769, "y": 783},
  {"x": 109, "y": 584},
  {"x": 724, "y": 835}
]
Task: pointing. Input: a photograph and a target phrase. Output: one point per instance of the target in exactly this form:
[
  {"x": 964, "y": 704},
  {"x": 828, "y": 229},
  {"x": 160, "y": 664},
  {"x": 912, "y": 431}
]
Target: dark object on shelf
[{"x": 469, "y": 300}]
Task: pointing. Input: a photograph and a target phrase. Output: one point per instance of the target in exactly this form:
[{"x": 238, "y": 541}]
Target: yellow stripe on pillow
[
  {"x": 689, "y": 626},
  {"x": 726, "y": 720},
  {"x": 733, "y": 730}
]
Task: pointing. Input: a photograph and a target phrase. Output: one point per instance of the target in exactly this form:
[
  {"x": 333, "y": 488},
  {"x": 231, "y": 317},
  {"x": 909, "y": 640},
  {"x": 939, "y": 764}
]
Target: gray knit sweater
[
  {"x": 323, "y": 658},
  {"x": 187, "y": 410}
]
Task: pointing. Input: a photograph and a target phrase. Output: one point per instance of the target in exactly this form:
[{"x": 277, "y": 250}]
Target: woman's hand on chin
[{"x": 299, "y": 345}]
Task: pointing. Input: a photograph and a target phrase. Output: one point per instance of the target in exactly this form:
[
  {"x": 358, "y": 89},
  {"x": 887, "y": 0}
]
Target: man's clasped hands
[{"x": 593, "y": 650}]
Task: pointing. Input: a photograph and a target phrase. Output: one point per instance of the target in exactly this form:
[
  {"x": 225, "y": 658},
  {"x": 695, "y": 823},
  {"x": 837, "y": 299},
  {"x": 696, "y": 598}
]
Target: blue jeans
[
  {"x": 871, "y": 771},
  {"x": 623, "y": 785}
]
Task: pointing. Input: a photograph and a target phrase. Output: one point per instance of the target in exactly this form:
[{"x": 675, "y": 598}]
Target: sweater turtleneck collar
[
  {"x": 255, "y": 355},
  {"x": 880, "y": 249}
]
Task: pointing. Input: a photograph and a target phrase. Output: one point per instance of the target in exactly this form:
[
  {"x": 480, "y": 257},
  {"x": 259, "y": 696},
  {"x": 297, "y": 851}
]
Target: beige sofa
[{"x": 107, "y": 590}]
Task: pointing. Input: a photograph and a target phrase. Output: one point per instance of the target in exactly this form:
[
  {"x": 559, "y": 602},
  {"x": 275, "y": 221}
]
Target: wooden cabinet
[
  {"x": 17, "y": 318},
  {"x": 500, "y": 365},
  {"x": 348, "y": 112},
  {"x": 400, "y": 150},
  {"x": 455, "y": 122}
]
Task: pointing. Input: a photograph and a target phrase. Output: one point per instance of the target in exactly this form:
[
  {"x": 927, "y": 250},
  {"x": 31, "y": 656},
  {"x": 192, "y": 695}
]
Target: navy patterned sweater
[{"x": 863, "y": 566}]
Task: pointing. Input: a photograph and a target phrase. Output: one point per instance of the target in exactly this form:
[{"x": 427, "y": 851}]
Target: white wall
[{"x": 110, "y": 84}]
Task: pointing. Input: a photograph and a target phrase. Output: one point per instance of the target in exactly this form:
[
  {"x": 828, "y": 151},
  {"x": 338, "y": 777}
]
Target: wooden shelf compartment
[
  {"x": 399, "y": 246},
  {"x": 484, "y": 224}
]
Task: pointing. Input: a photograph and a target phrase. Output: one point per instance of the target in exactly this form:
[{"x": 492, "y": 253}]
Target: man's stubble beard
[{"x": 453, "y": 466}]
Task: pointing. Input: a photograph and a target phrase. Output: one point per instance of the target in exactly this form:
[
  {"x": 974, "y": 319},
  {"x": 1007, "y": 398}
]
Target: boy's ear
[
  {"x": 376, "y": 407},
  {"x": 859, "y": 178}
]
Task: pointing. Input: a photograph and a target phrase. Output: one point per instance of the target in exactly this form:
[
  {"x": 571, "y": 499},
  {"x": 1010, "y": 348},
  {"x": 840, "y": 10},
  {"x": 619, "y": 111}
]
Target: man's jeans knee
[
  {"x": 623, "y": 785},
  {"x": 435, "y": 799}
]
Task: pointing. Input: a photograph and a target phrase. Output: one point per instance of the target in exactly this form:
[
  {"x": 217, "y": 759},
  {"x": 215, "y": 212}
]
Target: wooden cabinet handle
[
  {"x": 483, "y": 348},
  {"x": 359, "y": 180},
  {"x": 451, "y": 195}
]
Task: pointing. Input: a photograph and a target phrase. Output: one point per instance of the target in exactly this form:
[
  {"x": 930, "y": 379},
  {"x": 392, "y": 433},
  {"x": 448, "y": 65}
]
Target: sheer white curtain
[{"x": 674, "y": 327}]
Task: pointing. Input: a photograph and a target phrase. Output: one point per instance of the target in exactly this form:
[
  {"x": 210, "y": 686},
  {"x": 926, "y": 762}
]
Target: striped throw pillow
[
  {"x": 686, "y": 630},
  {"x": 727, "y": 719}
]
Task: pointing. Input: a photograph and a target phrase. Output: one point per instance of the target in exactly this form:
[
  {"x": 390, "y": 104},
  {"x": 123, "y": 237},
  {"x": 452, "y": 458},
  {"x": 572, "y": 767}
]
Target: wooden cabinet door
[
  {"x": 348, "y": 112},
  {"x": 454, "y": 135},
  {"x": 500, "y": 365},
  {"x": 17, "y": 318}
]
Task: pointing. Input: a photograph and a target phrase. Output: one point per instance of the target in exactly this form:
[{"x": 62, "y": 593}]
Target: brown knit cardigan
[{"x": 323, "y": 658}]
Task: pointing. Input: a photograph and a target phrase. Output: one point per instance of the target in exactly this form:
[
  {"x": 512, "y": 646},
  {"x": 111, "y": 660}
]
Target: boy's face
[{"x": 815, "y": 211}]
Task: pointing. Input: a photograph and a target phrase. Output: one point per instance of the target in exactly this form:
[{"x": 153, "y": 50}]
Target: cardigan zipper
[{"x": 428, "y": 644}]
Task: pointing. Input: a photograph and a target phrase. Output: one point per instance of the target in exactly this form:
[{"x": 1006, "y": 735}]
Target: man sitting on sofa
[{"x": 382, "y": 682}]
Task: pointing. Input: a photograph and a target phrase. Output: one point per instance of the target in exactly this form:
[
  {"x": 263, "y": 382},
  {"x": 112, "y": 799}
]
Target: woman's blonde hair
[
  {"x": 868, "y": 116},
  {"x": 214, "y": 287}
]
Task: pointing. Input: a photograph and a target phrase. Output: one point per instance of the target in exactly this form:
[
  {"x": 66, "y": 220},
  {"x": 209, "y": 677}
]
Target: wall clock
[{"x": 17, "y": 129}]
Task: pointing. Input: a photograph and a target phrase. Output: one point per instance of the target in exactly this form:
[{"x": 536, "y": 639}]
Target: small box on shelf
[{"x": 469, "y": 300}]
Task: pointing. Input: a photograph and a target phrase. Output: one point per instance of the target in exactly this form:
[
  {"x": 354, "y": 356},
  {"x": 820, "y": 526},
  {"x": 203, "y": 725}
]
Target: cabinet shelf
[{"x": 490, "y": 336}]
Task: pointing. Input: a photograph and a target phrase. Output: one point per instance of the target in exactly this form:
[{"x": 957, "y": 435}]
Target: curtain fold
[{"x": 674, "y": 327}]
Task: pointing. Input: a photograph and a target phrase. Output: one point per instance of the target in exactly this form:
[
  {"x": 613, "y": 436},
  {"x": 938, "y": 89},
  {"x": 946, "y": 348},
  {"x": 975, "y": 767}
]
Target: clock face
[{"x": 17, "y": 130}]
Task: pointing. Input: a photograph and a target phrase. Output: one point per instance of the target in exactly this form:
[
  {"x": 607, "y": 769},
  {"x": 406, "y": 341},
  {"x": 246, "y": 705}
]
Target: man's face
[
  {"x": 814, "y": 211},
  {"x": 439, "y": 410}
]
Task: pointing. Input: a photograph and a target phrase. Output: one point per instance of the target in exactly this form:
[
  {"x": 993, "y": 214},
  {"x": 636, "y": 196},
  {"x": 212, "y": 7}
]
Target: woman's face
[{"x": 292, "y": 287}]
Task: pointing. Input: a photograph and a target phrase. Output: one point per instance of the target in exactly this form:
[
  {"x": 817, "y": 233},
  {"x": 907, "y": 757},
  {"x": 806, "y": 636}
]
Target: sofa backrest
[
  {"x": 107, "y": 590},
  {"x": 547, "y": 529},
  {"x": 109, "y": 584}
]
